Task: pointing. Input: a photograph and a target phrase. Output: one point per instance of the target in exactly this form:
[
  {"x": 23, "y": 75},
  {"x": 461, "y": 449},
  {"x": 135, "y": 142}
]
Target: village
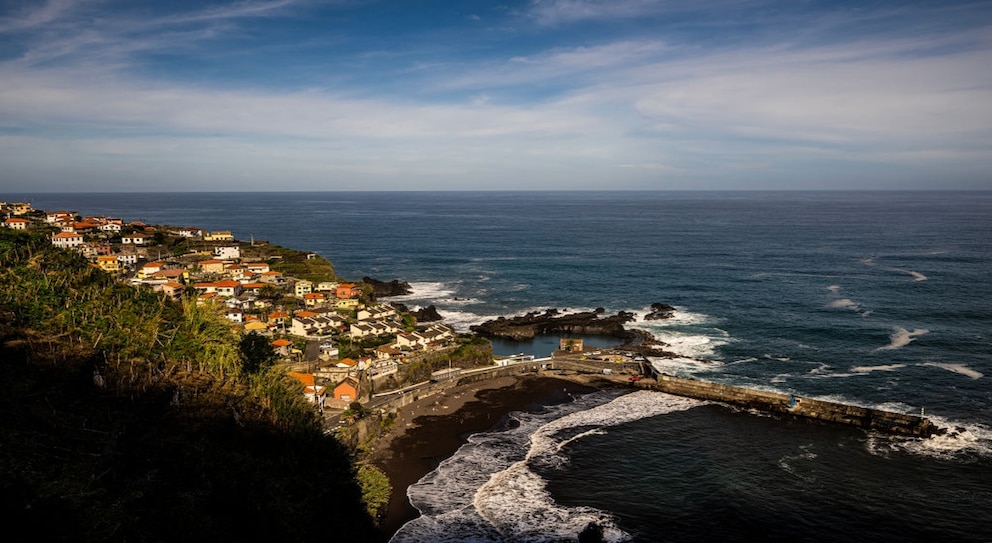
[{"x": 334, "y": 337}]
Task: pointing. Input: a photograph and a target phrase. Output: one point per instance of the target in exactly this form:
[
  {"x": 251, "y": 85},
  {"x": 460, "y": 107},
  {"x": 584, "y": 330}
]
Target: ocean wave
[
  {"x": 487, "y": 490},
  {"x": 682, "y": 366},
  {"x": 516, "y": 501},
  {"x": 962, "y": 440},
  {"x": 461, "y": 321},
  {"x": 789, "y": 463},
  {"x": 427, "y": 290},
  {"x": 680, "y": 317},
  {"x": 956, "y": 368},
  {"x": 902, "y": 337},
  {"x": 885, "y": 367},
  {"x": 844, "y": 303}
]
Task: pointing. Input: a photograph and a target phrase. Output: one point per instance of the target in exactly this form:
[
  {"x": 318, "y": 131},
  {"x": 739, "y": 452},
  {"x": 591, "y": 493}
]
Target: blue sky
[{"x": 105, "y": 95}]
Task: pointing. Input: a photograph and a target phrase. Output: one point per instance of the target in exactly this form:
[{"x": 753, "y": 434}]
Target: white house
[
  {"x": 376, "y": 312},
  {"x": 227, "y": 253},
  {"x": 134, "y": 239},
  {"x": 67, "y": 240},
  {"x": 17, "y": 223}
]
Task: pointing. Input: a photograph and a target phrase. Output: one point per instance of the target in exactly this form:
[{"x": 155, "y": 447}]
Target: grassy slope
[{"x": 174, "y": 445}]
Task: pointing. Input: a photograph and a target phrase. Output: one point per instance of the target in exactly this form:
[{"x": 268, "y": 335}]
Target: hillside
[{"x": 126, "y": 416}]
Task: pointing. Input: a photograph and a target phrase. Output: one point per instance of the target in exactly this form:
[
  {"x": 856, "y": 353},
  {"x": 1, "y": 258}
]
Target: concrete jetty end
[{"x": 642, "y": 375}]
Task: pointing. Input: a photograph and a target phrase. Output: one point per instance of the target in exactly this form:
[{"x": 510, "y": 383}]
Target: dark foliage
[{"x": 115, "y": 425}]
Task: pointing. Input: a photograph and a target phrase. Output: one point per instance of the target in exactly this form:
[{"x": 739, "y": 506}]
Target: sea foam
[
  {"x": 487, "y": 490},
  {"x": 956, "y": 368},
  {"x": 902, "y": 337}
]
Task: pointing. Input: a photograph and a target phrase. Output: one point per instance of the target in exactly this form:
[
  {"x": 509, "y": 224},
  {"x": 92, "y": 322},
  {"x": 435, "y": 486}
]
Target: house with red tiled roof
[
  {"x": 221, "y": 288},
  {"x": 315, "y": 394},
  {"x": 272, "y": 278},
  {"x": 53, "y": 217},
  {"x": 172, "y": 275},
  {"x": 85, "y": 227},
  {"x": 172, "y": 289},
  {"x": 346, "y": 392},
  {"x": 17, "y": 223},
  {"x": 67, "y": 240},
  {"x": 282, "y": 347},
  {"x": 347, "y": 290},
  {"x": 150, "y": 268},
  {"x": 314, "y": 299},
  {"x": 253, "y": 287}
]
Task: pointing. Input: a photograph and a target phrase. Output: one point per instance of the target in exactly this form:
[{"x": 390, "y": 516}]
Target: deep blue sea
[{"x": 879, "y": 299}]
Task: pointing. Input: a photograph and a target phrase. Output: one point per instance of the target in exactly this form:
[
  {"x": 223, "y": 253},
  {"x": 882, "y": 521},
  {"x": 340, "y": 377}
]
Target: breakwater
[{"x": 773, "y": 402}]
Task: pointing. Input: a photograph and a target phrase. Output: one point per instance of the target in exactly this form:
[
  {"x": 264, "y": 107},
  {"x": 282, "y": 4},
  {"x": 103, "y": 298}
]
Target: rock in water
[{"x": 385, "y": 289}]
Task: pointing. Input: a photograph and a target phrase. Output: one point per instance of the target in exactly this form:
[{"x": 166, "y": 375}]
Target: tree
[
  {"x": 376, "y": 490},
  {"x": 269, "y": 292},
  {"x": 257, "y": 354}
]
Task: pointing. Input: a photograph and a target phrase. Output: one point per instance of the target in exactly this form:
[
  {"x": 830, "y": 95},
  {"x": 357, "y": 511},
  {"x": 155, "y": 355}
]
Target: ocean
[{"x": 879, "y": 299}]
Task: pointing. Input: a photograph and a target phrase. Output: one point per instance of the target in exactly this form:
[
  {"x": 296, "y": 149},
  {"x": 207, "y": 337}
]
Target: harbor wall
[{"x": 852, "y": 415}]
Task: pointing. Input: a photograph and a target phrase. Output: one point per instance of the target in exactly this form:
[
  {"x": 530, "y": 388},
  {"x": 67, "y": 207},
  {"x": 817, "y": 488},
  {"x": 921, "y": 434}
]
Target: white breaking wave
[
  {"x": 869, "y": 369},
  {"x": 486, "y": 492},
  {"x": 461, "y": 321},
  {"x": 515, "y": 500},
  {"x": 682, "y": 367},
  {"x": 957, "y": 368},
  {"x": 917, "y": 276},
  {"x": 680, "y": 317},
  {"x": 427, "y": 290},
  {"x": 960, "y": 440},
  {"x": 844, "y": 303},
  {"x": 902, "y": 337}
]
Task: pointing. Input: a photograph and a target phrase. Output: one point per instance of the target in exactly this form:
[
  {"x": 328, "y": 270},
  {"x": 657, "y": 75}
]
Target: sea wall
[{"x": 862, "y": 417}]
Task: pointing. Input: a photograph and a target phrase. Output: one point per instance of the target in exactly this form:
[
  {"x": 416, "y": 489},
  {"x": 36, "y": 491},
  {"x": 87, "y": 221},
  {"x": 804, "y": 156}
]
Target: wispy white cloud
[
  {"x": 645, "y": 109},
  {"x": 553, "y": 12},
  {"x": 33, "y": 16}
]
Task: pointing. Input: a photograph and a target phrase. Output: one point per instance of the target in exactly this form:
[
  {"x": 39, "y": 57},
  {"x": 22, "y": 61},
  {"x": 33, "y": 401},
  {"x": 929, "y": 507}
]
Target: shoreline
[{"x": 431, "y": 430}]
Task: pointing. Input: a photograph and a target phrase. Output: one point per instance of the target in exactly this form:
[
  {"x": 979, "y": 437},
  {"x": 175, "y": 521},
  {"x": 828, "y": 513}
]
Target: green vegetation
[
  {"x": 256, "y": 354},
  {"x": 127, "y": 416},
  {"x": 472, "y": 352},
  {"x": 292, "y": 263},
  {"x": 376, "y": 489}
]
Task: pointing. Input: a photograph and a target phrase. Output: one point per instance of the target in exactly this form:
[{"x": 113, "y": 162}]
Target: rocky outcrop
[
  {"x": 424, "y": 314},
  {"x": 385, "y": 289},
  {"x": 427, "y": 314},
  {"x": 553, "y": 321},
  {"x": 660, "y": 311}
]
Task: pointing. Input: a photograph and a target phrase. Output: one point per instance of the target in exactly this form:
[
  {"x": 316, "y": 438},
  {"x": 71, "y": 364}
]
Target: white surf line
[
  {"x": 902, "y": 337},
  {"x": 956, "y": 368}
]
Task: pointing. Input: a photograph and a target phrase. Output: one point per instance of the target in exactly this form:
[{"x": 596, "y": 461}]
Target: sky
[{"x": 304, "y": 95}]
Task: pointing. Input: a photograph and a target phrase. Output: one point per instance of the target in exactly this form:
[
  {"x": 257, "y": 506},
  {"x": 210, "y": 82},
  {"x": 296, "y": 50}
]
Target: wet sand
[{"x": 432, "y": 429}]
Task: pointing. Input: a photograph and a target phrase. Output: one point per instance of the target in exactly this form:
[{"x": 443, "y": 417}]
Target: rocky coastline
[{"x": 553, "y": 321}]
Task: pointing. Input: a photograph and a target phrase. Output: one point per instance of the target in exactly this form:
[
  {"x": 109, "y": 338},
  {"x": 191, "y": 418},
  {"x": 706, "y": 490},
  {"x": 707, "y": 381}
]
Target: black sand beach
[{"x": 432, "y": 429}]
